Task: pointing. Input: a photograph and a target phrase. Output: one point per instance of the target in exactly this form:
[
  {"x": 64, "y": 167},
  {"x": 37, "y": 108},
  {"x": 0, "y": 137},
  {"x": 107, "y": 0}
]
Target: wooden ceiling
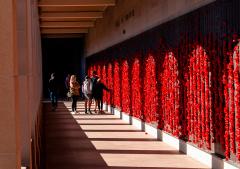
[{"x": 70, "y": 18}]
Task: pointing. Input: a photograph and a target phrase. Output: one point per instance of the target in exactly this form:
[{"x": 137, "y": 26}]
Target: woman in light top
[{"x": 87, "y": 91}]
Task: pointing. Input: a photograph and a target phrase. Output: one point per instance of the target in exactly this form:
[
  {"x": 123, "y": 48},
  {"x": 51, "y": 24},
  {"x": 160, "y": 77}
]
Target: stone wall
[{"x": 129, "y": 18}]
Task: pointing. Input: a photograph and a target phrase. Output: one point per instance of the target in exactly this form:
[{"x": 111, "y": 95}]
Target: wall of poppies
[{"x": 182, "y": 78}]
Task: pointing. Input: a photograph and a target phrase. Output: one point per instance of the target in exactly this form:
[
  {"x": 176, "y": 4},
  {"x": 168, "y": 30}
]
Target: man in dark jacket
[
  {"x": 94, "y": 81},
  {"x": 99, "y": 87}
]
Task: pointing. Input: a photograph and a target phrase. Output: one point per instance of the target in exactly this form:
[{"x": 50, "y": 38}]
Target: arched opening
[
  {"x": 236, "y": 78},
  {"x": 136, "y": 90},
  {"x": 170, "y": 94},
  {"x": 89, "y": 70},
  {"x": 104, "y": 80},
  {"x": 150, "y": 90},
  {"x": 94, "y": 69},
  {"x": 198, "y": 99},
  {"x": 99, "y": 71},
  {"x": 232, "y": 111},
  {"x": 116, "y": 86},
  {"x": 109, "y": 82},
  {"x": 125, "y": 88}
]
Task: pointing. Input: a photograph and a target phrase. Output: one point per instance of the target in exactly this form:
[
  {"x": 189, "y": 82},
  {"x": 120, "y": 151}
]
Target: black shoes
[{"x": 86, "y": 111}]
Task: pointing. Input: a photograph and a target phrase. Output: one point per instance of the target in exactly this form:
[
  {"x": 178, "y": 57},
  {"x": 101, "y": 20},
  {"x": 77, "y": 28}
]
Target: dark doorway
[{"x": 62, "y": 56}]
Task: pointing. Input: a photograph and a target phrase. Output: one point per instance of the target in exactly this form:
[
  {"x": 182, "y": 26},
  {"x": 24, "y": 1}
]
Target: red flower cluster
[
  {"x": 150, "y": 91},
  {"x": 236, "y": 77},
  {"x": 198, "y": 100},
  {"x": 170, "y": 95},
  {"x": 109, "y": 83},
  {"x": 125, "y": 88},
  {"x": 116, "y": 86},
  {"x": 136, "y": 90},
  {"x": 99, "y": 71},
  {"x": 90, "y": 70},
  {"x": 104, "y": 81},
  {"x": 232, "y": 110}
]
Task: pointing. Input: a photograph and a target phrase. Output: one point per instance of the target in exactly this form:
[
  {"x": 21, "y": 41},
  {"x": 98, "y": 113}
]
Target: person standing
[
  {"x": 67, "y": 85},
  {"x": 99, "y": 94},
  {"x": 53, "y": 91},
  {"x": 87, "y": 92},
  {"x": 74, "y": 90},
  {"x": 94, "y": 81}
]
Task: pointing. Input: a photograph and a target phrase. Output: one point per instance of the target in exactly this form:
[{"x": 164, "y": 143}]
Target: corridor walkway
[{"x": 80, "y": 141}]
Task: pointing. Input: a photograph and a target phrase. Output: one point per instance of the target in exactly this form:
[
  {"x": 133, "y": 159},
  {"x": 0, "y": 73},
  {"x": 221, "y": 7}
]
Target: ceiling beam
[
  {"x": 66, "y": 20},
  {"x": 67, "y": 24},
  {"x": 69, "y": 3},
  {"x": 73, "y": 9},
  {"x": 71, "y": 15},
  {"x": 62, "y": 35},
  {"x": 63, "y": 31}
]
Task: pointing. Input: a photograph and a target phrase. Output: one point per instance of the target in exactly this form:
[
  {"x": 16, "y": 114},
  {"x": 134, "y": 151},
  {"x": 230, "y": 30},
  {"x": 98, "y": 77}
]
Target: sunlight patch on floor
[
  {"x": 131, "y": 145},
  {"x": 151, "y": 160}
]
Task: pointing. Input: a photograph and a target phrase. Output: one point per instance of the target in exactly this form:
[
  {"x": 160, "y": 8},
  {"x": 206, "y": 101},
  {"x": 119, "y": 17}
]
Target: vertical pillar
[
  {"x": 10, "y": 156},
  {"x": 22, "y": 79}
]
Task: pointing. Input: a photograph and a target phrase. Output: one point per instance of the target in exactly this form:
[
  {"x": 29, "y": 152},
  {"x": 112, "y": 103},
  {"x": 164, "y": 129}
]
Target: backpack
[{"x": 87, "y": 87}]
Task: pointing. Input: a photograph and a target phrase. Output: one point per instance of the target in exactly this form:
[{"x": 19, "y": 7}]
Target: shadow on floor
[
  {"x": 67, "y": 149},
  {"x": 67, "y": 146}
]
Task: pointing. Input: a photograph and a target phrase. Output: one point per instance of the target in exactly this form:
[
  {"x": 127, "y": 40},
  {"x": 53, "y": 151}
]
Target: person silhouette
[{"x": 53, "y": 91}]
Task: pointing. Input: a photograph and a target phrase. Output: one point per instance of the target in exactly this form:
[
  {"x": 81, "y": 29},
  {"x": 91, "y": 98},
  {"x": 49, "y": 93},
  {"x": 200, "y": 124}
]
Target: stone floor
[{"x": 103, "y": 141}]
